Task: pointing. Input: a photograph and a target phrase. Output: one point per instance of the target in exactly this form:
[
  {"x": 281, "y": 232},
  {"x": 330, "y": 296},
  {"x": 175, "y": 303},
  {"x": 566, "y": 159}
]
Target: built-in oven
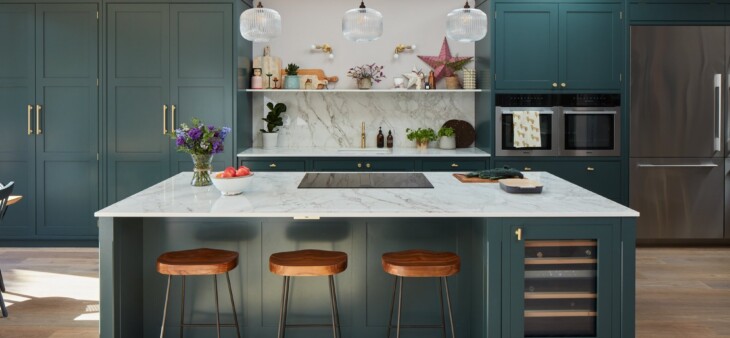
[
  {"x": 547, "y": 106},
  {"x": 590, "y": 125}
]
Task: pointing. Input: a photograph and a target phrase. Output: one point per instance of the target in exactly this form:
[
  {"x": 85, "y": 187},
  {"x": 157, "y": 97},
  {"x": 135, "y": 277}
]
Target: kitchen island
[{"x": 560, "y": 263}]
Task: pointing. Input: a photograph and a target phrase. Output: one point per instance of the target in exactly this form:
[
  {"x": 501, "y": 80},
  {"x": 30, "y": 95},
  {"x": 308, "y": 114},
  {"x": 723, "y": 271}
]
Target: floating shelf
[{"x": 364, "y": 91}]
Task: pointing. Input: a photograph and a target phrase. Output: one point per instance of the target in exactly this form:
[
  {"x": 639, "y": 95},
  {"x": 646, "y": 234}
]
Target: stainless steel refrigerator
[{"x": 678, "y": 149}]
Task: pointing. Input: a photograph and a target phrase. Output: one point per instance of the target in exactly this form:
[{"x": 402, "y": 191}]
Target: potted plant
[
  {"x": 201, "y": 142},
  {"x": 291, "y": 81},
  {"x": 366, "y": 74},
  {"x": 447, "y": 138},
  {"x": 421, "y": 136},
  {"x": 273, "y": 120},
  {"x": 452, "y": 82}
]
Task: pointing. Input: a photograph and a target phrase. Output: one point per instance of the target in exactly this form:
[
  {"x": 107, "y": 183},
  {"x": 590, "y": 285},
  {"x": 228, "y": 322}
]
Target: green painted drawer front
[
  {"x": 363, "y": 164},
  {"x": 601, "y": 177},
  {"x": 274, "y": 165},
  {"x": 456, "y": 164},
  {"x": 667, "y": 11},
  {"x": 526, "y": 46}
]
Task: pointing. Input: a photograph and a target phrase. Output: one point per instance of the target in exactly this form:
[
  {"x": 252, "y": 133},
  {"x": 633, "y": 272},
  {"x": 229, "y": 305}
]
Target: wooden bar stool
[
  {"x": 198, "y": 262},
  {"x": 308, "y": 263},
  {"x": 421, "y": 263}
]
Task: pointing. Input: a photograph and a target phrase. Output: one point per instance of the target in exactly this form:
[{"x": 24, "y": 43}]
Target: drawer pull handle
[
  {"x": 164, "y": 119},
  {"x": 367, "y": 165},
  {"x": 273, "y": 165},
  {"x": 30, "y": 117},
  {"x": 454, "y": 165},
  {"x": 555, "y": 85},
  {"x": 590, "y": 169},
  {"x": 563, "y": 85},
  {"x": 528, "y": 169},
  {"x": 518, "y": 233},
  {"x": 38, "y": 130},
  {"x": 359, "y": 165}
]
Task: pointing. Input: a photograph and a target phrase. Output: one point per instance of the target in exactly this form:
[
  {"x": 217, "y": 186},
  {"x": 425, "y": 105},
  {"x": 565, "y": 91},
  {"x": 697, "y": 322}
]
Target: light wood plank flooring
[{"x": 681, "y": 292}]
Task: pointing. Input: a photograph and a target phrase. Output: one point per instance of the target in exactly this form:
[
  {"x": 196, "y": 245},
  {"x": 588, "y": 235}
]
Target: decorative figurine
[
  {"x": 308, "y": 85},
  {"x": 440, "y": 63},
  {"x": 257, "y": 82},
  {"x": 276, "y": 82},
  {"x": 415, "y": 77}
]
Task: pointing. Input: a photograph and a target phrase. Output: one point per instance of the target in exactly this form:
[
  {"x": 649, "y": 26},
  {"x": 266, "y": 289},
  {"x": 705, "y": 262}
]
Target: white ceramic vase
[
  {"x": 447, "y": 142},
  {"x": 270, "y": 140}
]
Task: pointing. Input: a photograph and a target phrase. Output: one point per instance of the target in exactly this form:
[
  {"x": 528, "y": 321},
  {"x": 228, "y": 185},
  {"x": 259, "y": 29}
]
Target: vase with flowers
[
  {"x": 201, "y": 142},
  {"x": 366, "y": 75}
]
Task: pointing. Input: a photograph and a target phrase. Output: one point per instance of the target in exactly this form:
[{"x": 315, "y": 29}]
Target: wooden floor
[{"x": 54, "y": 293}]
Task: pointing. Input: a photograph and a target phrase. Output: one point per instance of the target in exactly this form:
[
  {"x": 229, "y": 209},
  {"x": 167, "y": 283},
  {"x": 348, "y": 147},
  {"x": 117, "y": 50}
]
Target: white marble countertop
[
  {"x": 367, "y": 152},
  {"x": 275, "y": 194}
]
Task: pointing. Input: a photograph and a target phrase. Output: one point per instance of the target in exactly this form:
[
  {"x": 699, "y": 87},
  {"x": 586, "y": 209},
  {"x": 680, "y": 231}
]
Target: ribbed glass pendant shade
[
  {"x": 362, "y": 24},
  {"x": 466, "y": 24},
  {"x": 260, "y": 24}
]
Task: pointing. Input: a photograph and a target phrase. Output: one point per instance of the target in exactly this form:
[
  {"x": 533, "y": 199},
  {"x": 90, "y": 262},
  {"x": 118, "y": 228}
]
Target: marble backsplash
[{"x": 333, "y": 120}]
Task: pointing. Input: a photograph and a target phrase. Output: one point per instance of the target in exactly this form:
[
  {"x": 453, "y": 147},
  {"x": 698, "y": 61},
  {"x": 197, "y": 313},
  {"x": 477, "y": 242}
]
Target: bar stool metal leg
[
  {"x": 334, "y": 307},
  {"x": 3, "y": 309},
  {"x": 448, "y": 302},
  {"x": 217, "y": 308},
  {"x": 441, "y": 307},
  {"x": 400, "y": 307},
  {"x": 164, "y": 312},
  {"x": 284, "y": 301},
  {"x": 182, "y": 308},
  {"x": 392, "y": 306},
  {"x": 2, "y": 283},
  {"x": 233, "y": 305}
]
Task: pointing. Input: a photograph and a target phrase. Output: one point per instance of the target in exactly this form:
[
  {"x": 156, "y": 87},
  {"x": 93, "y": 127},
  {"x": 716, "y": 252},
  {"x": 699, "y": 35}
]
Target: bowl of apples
[{"x": 232, "y": 181}]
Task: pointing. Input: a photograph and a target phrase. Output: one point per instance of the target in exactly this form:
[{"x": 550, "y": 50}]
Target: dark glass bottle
[
  {"x": 390, "y": 139},
  {"x": 381, "y": 138}
]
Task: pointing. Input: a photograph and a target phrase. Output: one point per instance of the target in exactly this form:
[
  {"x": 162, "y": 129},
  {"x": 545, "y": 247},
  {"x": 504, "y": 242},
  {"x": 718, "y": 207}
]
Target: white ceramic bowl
[{"x": 233, "y": 185}]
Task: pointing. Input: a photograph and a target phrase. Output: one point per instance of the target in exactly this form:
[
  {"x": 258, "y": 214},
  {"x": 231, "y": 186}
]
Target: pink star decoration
[{"x": 438, "y": 63}]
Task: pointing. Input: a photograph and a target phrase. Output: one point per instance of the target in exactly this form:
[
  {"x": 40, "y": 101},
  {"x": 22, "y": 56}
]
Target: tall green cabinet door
[
  {"x": 526, "y": 46},
  {"x": 201, "y": 73},
  {"x": 560, "y": 278},
  {"x": 138, "y": 105},
  {"x": 591, "y": 46},
  {"x": 67, "y": 137},
  {"x": 17, "y": 101}
]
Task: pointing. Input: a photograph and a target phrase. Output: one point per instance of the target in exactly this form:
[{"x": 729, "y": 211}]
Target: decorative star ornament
[
  {"x": 438, "y": 63},
  {"x": 415, "y": 77}
]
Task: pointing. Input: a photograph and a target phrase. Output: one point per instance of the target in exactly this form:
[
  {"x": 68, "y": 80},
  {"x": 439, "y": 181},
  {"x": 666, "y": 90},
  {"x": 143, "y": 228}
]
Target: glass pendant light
[
  {"x": 466, "y": 24},
  {"x": 260, "y": 24},
  {"x": 362, "y": 24}
]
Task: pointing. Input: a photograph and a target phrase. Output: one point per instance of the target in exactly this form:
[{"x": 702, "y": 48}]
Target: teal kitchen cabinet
[
  {"x": 558, "y": 46},
  {"x": 454, "y": 164},
  {"x": 600, "y": 177},
  {"x": 165, "y": 65},
  {"x": 561, "y": 279},
  {"x": 363, "y": 164},
  {"x": 49, "y": 100},
  {"x": 274, "y": 164},
  {"x": 678, "y": 11}
]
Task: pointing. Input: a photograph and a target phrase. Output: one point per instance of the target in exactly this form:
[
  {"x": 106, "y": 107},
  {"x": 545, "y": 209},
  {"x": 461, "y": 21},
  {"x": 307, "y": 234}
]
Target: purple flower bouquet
[{"x": 201, "y": 142}]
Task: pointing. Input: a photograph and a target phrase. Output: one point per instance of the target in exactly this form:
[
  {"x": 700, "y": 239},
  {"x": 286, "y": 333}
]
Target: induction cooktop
[{"x": 364, "y": 181}]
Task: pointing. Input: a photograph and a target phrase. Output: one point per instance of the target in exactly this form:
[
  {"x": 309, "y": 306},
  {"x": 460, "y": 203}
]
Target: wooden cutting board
[{"x": 463, "y": 179}]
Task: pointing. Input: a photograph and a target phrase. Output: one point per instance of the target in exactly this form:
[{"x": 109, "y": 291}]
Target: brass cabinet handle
[
  {"x": 359, "y": 165},
  {"x": 38, "y": 130},
  {"x": 590, "y": 169},
  {"x": 172, "y": 124},
  {"x": 30, "y": 117},
  {"x": 563, "y": 85},
  {"x": 273, "y": 165},
  {"x": 454, "y": 165},
  {"x": 164, "y": 119},
  {"x": 555, "y": 85},
  {"x": 528, "y": 169},
  {"x": 518, "y": 233},
  {"x": 367, "y": 165}
]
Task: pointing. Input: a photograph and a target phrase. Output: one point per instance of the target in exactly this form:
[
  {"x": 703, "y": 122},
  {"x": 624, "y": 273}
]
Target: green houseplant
[
  {"x": 273, "y": 121},
  {"x": 421, "y": 136},
  {"x": 447, "y": 138},
  {"x": 292, "y": 79},
  {"x": 452, "y": 82}
]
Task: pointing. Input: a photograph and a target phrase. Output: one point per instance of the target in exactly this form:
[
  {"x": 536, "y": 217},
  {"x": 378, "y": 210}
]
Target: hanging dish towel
[{"x": 526, "y": 126}]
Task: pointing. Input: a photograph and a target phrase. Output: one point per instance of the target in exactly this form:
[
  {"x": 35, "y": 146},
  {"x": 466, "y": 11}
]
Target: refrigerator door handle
[
  {"x": 707, "y": 165},
  {"x": 717, "y": 95}
]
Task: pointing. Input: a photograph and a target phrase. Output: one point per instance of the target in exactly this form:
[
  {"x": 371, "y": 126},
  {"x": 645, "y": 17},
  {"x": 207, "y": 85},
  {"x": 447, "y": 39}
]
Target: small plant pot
[
  {"x": 365, "y": 83},
  {"x": 291, "y": 82},
  {"x": 452, "y": 82},
  {"x": 447, "y": 142},
  {"x": 270, "y": 140},
  {"x": 422, "y": 144}
]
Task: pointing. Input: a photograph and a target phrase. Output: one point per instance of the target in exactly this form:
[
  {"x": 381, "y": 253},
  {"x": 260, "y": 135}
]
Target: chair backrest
[{"x": 4, "y": 197}]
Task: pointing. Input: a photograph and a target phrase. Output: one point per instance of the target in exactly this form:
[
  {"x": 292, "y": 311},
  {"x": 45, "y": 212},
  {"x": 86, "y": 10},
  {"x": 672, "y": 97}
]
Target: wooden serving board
[
  {"x": 463, "y": 179},
  {"x": 520, "y": 186},
  {"x": 319, "y": 73}
]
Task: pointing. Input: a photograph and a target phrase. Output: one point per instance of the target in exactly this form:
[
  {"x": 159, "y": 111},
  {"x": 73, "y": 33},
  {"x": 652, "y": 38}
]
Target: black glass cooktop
[{"x": 364, "y": 181}]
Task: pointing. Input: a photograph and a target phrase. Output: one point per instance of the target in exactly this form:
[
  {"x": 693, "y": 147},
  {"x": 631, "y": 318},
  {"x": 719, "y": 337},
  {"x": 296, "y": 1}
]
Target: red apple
[
  {"x": 230, "y": 171},
  {"x": 243, "y": 171}
]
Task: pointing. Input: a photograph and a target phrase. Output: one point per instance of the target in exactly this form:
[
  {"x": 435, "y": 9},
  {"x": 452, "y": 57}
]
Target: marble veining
[
  {"x": 276, "y": 195},
  {"x": 344, "y": 152},
  {"x": 332, "y": 120}
]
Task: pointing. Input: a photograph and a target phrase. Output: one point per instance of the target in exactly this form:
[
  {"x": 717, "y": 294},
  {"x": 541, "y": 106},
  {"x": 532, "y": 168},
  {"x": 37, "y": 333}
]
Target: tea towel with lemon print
[{"x": 526, "y": 127}]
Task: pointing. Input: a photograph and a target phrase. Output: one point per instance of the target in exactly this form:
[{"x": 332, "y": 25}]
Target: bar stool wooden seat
[
  {"x": 421, "y": 264},
  {"x": 198, "y": 262},
  {"x": 308, "y": 263}
]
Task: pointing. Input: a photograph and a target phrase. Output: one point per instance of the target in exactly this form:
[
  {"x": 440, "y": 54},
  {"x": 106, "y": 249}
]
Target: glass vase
[{"x": 202, "y": 166}]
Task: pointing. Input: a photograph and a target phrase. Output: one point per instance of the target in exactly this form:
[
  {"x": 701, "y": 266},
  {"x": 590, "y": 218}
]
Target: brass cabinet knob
[
  {"x": 367, "y": 165},
  {"x": 555, "y": 85},
  {"x": 359, "y": 165},
  {"x": 563, "y": 85},
  {"x": 528, "y": 169},
  {"x": 590, "y": 169},
  {"x": 454, "y": 165},
  {"x": 273, "y": 165}
]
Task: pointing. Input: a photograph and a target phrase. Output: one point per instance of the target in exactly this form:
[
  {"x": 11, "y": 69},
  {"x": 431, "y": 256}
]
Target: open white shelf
[{"x": 365, "y": 91}]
